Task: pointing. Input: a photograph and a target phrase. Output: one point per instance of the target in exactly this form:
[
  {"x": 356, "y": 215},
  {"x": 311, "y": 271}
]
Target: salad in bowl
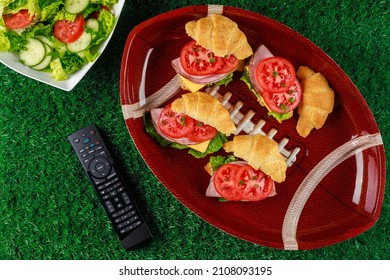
[{"x": 57, "y": 37}]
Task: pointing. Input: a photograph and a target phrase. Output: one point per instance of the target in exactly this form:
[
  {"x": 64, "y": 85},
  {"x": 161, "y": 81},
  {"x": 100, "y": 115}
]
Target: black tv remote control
[{"x": 125, "y": 217}]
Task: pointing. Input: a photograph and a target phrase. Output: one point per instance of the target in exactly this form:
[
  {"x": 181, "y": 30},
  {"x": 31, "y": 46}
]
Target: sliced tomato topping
[
  {"x": 224, "y": 182},
  {"x": 229, "y": 64},
  {"x": 242, "y": 182},
  {"x": 286, "y": 101},
  {"x": 275, "y": 74},
  {"x": 197, "y": 60},
  {"x": 173, "y": 124},
  {"x": 67, "y": 31},
  {"x": 201, "y": 132},
  {"x": 254, "y": 184},
  {"x": 18, "y": 20}
]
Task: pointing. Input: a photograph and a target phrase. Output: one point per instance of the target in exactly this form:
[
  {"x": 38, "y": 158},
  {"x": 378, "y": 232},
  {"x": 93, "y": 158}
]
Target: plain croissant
[
  {"x": 317, "y": 101},
  {"x": 261, "y": 153},
  {"x": 207, "y": 109},
  {"x": 220, "y": 35}
]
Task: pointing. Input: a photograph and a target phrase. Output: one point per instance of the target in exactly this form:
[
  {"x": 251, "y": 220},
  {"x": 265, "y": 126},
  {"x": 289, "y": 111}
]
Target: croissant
[
  {"x": 207, "y": 109},
  {"x": 317, "y": 101},
  {"x": 261, "y": 153},
  {"x": 221, "y": 35}
]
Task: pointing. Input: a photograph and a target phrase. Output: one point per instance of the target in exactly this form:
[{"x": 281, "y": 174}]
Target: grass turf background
[{"x": 48, "y": 209}]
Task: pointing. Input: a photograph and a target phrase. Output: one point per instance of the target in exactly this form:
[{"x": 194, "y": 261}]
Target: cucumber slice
[
  {"x": 92, "y": 23},
  {"x": 80, "y": 44},
  {"x": 44, "y": 40},
  {"x": 33, "y": 54},
  {"x": 46, "y": 61},
  {"x": 75, "y": 6}
]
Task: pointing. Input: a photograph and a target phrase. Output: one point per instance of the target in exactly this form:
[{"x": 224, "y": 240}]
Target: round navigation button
[{"x": 100, "y": 167}]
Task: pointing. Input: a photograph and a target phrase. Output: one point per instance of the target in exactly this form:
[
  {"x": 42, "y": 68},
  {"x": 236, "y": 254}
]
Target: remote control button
[
  {"x": 130, "y": 227},
  {"x": 100, "y": 167},
  {"x": 126, "y": 198},
  {"x": 123, "y": 211},
  {"x": 92, "y": 132},
  {"x": 86, "y": 140},
  {"x": 124, "y": 217},
  {"x": 76, "y": 140},
  {"x": 98, "y": 181},
  {"x": 109, "y": 206},
  {"x": 127, "y": 222}
]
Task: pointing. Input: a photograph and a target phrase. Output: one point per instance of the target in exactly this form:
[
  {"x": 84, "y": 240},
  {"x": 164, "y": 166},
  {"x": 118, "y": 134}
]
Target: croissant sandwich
[
  {"x": 249, "y": 179},
  {"x": 214, "y": 51},
  {"x": 317, "y": 102},
  {"x": 195, "y": 120},
  {"x": 273, "y": 81}
]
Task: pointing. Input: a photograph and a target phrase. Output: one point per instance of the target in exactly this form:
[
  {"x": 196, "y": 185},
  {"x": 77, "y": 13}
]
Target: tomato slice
[
  {"x": 275, "y": 74},
  {"x": 283, "y": 102},
  {"x": 254, "y": 185},
  {"x": 224, "y": 182},
  {"x": 229, "y": 64},
  {"x": 197, "y": 60},
  {"x": 18, "y": 20},
  {"x": 67, "y": 31},
  {"x": 201, "y": 132},
  {"x": 173, "y": 124}
]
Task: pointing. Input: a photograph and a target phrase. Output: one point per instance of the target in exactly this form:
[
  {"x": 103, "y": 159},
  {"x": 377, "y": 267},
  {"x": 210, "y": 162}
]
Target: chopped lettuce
[{"x": 215, "y": 143}]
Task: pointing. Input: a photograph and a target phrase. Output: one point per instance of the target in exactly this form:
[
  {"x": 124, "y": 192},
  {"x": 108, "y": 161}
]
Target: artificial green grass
[{"x": 49, "y": 209}]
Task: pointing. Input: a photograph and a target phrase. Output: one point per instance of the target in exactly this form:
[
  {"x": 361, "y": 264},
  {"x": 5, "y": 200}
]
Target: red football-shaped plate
[{"x": 335, "y": 182}]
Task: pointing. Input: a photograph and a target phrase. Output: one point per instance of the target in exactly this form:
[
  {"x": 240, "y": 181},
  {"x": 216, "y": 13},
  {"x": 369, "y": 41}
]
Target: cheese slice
[
  {"x": 187, "y": 84},
  {"x": 201, "y": 147}
]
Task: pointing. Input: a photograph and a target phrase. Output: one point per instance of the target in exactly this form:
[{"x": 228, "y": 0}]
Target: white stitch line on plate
[
  {"x": 214, "y": 9},
  {"x": 244, "y": 123}
]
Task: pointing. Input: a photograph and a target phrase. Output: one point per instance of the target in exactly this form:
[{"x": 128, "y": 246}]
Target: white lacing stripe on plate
[
  {"x": 214, "y": 9},
  {"x": 327, "y": 164},
  {"x": 155, "y": 100}
]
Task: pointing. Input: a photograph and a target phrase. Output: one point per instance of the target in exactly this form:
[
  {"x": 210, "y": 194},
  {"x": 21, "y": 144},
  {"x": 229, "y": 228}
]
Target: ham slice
[
  {"x": 207, "y": 79},
  {"x": 261, "y": 53}
]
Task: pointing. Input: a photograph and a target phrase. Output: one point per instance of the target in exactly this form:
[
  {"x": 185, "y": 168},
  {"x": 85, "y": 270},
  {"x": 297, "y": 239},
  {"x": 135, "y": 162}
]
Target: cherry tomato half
[
  {"x": 67, "y": 31},
  {"x": 275, "y": 74},
  {"x": 18, "y": 20}
]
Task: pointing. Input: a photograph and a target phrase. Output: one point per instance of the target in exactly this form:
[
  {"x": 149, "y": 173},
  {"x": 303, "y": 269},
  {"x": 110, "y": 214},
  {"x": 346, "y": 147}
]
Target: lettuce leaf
[
  {"x": 224, "y": 82},
  {"x": 58, "y": 72},
  {"x": 215, "y": 143},
  {"x": 49, "y": 9},
  {"x": 217, "y": 161},
  {"x": 106, "y": 25}
]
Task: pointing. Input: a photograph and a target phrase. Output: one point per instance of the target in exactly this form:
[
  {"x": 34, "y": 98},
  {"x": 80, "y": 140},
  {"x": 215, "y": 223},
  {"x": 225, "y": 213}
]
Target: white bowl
[{"x": 11, "y": 61}]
